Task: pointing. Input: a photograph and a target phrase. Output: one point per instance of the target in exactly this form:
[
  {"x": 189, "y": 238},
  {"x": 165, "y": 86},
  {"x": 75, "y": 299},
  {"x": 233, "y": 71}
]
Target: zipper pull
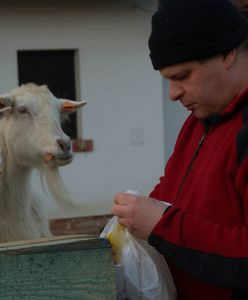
[
  {"x": 200, "y": 144},
  {"x": 202, "y": 138}
]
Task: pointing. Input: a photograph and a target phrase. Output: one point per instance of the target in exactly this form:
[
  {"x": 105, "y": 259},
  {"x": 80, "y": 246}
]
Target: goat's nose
[{"x": 65, "y": 145}]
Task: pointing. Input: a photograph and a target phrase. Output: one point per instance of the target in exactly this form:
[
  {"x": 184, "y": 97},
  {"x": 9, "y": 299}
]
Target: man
[
  {"x": 241, "y": 4},
  {"x": 201, "y": 228}
]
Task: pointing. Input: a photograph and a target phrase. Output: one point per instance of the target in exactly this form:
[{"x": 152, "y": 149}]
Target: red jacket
[{"x": 204, "y": 235}]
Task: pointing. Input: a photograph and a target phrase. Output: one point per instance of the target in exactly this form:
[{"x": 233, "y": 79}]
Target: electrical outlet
[{"x": 137, "y": 136}]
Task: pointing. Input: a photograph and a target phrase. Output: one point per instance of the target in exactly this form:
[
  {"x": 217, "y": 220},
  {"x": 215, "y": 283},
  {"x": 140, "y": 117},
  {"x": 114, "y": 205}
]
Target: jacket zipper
[{"x": 200, "y": 143}]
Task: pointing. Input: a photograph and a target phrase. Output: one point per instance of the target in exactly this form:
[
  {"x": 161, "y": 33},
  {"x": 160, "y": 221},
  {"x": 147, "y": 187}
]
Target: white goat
[{"x": 31, "y": 137}]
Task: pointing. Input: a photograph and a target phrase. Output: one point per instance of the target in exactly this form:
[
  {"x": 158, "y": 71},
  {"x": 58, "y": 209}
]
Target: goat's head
[{"x": 30, "y": 118}]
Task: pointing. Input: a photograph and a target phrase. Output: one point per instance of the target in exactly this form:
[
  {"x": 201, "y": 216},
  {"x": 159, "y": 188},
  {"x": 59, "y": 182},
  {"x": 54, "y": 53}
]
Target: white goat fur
[{"x": 29, "y": 130}]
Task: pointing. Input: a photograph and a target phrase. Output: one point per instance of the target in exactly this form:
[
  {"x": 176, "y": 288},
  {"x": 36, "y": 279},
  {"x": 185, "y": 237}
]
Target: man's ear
[{"x": 230, "y": 58}]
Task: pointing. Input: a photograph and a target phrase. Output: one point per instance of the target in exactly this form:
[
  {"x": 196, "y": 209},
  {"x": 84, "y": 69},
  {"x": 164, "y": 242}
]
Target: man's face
[
  {"x": 241, "y": 4},
  {"x": 200, "y": 86}
]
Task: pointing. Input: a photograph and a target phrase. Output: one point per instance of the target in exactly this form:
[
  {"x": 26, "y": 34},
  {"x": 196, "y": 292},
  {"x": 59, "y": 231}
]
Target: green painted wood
[{"x": 70, "y": 268}]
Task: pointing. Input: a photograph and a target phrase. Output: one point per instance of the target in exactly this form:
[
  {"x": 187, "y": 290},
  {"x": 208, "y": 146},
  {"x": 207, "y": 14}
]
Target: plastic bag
[{"x": 141, "y": 272}]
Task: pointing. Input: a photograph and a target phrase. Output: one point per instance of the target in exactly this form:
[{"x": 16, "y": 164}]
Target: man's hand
[{"x": 139, "y": 214}]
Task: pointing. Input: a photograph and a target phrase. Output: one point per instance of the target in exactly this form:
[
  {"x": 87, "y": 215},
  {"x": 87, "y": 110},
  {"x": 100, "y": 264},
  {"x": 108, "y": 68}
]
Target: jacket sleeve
[{"x": 211, "y": 252}]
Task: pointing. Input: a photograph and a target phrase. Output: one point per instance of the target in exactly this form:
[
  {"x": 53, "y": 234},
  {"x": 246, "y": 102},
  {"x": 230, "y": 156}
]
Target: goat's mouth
[{"x": 59, "y": 160}]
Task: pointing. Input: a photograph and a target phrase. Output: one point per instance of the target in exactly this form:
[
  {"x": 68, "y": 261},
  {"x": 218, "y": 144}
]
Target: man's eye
[{"x": 182, "y": 76}]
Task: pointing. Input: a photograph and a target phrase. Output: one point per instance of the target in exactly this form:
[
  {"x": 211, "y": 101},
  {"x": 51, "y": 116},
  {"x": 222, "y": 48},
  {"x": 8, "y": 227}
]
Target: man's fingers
[
  {"x": 119, "y": 210},
  {"x": 121, "y": 199}
]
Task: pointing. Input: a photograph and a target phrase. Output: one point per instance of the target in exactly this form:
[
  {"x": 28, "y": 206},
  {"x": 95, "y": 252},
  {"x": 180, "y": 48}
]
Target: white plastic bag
[{"x": 141, "y": 272}]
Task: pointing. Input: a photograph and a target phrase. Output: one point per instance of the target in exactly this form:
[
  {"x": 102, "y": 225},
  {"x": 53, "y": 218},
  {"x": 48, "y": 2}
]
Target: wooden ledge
[{"x": 89, "y": 225}]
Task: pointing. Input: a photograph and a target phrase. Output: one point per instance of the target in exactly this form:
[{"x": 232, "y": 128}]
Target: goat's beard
[{"x": 57, "y": 188}]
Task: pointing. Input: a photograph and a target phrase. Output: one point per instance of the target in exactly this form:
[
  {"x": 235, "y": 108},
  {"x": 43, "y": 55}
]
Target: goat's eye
[{"x": 23, "y": 110}]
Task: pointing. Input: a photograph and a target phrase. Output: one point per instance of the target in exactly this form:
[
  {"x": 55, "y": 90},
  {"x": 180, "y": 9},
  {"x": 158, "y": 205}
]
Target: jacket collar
[{"x": 231, "y": 109}]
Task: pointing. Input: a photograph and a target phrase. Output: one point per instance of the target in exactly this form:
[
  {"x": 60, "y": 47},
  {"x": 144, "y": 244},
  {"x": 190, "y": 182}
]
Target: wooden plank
[
  {"x": 79, "y": 225},
  {"x": 62, "y": 268},
  {"x": 52, "y": 243}
]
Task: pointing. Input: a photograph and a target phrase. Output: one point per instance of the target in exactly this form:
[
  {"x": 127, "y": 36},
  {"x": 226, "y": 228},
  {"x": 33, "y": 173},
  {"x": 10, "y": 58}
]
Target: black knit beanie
[{"x": 185, "y": 30}]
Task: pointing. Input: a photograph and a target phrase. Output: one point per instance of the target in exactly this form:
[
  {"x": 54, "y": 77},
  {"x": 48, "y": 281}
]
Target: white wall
[{"x": 115, "y": 78}]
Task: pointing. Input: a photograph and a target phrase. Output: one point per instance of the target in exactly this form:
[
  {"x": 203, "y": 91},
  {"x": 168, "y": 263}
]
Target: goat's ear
[
  {"x": 70, "y": 106},
  {"x": 5, "y": 105},
  {"x": 5, "y": 101},
  {"x": 5, "y": 111}
]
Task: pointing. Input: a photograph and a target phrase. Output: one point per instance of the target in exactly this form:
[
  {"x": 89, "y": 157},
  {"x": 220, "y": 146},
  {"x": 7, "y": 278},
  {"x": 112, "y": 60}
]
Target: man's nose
[{"x": 176, "y": 91}]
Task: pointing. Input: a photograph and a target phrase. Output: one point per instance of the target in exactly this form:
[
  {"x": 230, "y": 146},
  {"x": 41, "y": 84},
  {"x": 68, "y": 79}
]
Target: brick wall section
[{"x": 90, "y": 225}]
